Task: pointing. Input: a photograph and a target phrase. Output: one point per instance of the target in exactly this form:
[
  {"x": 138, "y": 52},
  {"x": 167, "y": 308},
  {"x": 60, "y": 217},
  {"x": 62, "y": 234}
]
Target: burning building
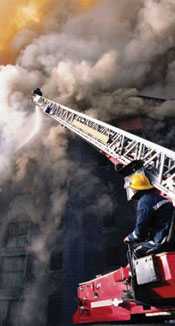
[{"x": 57, "y": 195}]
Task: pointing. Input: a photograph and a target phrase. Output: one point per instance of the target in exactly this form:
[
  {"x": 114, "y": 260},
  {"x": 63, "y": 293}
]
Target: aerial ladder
[
  {"x": 104, "y": 299},
  {"x": 119, "y": 146}
]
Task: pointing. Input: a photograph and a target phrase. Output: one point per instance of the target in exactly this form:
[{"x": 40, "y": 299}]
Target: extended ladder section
[{"x": 117, "y": 145}]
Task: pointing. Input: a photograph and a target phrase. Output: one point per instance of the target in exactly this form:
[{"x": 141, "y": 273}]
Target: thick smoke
[
  {"x": 130, "y": 48},
  {"x": 97, "y": 61}
]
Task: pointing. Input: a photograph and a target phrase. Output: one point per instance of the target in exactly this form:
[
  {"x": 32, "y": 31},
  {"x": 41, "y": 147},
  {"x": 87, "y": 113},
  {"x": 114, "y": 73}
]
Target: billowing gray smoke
[{"x": 96, "y": 62}]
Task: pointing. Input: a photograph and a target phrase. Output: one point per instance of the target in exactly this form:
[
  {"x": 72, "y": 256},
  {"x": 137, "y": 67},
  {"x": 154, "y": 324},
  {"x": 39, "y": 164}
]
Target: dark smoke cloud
[{"x": 96, "y": 62}]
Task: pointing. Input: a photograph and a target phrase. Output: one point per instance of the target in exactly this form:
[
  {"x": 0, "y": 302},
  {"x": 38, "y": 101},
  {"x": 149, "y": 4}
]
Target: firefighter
[{"x": 154, "y": 216}]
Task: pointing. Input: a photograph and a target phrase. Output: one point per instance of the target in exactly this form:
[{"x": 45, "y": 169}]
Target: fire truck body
[{"x": 111, "y": 297}]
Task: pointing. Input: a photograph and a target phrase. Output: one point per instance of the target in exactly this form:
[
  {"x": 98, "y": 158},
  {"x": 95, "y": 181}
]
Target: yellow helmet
[
  {"x": 136, "y": 182},
  {"x": 139, "y": 181}
]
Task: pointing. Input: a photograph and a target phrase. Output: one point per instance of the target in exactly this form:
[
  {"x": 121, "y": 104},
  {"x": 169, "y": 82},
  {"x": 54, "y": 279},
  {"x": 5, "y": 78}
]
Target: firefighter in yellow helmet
[{"x": 153, "y": 214}]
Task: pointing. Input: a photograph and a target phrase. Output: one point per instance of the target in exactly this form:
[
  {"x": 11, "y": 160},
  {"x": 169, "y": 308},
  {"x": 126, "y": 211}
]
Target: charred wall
[{"x": 20, "y": 270}]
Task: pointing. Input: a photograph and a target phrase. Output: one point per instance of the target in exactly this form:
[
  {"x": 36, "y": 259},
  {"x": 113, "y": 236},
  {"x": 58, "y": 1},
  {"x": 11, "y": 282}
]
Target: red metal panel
[
  {"x": 166, "y": 268},
  {"x": 104, "y": 298}
]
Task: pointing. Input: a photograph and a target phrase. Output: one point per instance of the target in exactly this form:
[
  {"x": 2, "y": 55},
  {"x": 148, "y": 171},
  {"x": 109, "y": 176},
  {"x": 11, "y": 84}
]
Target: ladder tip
[{"x": 37, "y": 91}]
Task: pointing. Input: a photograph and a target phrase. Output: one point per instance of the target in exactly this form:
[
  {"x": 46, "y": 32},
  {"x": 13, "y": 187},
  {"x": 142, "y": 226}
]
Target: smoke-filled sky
[
  {"x": 27, "y": 17},
  {"x": 94, "y": 55},
  {"x": 84, "y": 52}
]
